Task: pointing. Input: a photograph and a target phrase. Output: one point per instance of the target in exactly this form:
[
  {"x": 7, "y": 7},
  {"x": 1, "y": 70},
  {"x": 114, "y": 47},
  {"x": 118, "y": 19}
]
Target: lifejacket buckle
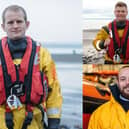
[
  {"x": 14, "y": 102},
  {"x": 118, "y": 51},
  {"x": 116, "y": 58},
  {"x": 18, "y": 89}
]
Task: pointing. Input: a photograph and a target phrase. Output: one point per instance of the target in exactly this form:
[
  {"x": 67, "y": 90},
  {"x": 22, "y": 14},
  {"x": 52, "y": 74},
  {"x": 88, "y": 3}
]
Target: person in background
[
  {"x": 28, "y": 80},
  {"x": 114, "y": 114},
  {"x": 114, "y": 37}
]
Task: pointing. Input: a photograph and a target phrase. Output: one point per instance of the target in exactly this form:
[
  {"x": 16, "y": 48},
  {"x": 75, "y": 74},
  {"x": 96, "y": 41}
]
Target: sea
[
  {"x": 68, "y": 60},
  {"x": 95, "y": 23},
  {"x": 64, "y": 48}
]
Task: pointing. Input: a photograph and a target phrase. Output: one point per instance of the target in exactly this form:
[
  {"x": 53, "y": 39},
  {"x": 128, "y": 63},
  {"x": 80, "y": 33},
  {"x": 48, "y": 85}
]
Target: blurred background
[{"x": 57, "y": 25}]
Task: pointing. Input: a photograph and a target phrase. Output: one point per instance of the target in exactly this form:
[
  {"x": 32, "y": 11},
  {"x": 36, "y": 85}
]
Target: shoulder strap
[
  {"x": 28, "y": 84},
  {"x": 7, "y": 78},
  {"x": 28, "y": 77},
  {"x": 113, "y": 36},
  {"x": 7, "y": 84},
  {"x": 125, "y": 43}
]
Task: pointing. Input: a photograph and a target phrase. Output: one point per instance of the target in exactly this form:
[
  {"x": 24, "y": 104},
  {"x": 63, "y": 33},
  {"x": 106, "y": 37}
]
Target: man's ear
[
  {"x": 27, "y": 24},
  {"x": 3, "y": 26},
  {"x": 127, "y": 12}
]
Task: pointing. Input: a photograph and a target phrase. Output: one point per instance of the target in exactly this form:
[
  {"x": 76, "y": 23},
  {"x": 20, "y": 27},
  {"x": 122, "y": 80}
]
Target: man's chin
[
  {"x": 16, "y": 37},
  {"x": 121, "y": 20},
  {"x": 126, "y": 94}
]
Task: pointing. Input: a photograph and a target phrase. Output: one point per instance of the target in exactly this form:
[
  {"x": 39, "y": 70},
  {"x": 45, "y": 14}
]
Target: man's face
[
  {"x": 15, "y": 25},
  {"x": 123, "y": 82},
  {"x": 120, "y": 13}
]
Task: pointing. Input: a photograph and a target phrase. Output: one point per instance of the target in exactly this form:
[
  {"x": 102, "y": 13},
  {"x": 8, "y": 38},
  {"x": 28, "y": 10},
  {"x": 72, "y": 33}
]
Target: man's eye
[
  {"x": 122, "y": 79},
  {"x": 19, "y": 21},
  {"x": 10, "y": 22},
  {"x": 118, "y": 11},
  {"x": 123, "y": 11}
]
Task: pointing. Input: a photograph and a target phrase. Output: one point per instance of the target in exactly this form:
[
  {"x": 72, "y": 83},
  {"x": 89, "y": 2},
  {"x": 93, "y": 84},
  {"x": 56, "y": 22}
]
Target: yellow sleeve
[
  {"x": 99, "y": 118},
  {"x": 100, "y": 38},
  {"x": 54, "y": 100},
  {"x": 94, "y": 122}
]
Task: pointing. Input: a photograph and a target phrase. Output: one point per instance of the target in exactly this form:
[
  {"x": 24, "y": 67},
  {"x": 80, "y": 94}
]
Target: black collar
[
  {"x": 17, "y": 47},
  {"x": 121, "y": 25},
  {"x": 116, "y": 94}
]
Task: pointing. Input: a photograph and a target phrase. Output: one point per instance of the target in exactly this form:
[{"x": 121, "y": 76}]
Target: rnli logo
[{"x": 36, "y": 59}]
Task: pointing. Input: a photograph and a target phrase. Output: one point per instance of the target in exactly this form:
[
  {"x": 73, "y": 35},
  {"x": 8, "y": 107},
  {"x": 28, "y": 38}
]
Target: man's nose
[
  {"x": 127, "y": 81},
  {"x": 15, "y": 24}
]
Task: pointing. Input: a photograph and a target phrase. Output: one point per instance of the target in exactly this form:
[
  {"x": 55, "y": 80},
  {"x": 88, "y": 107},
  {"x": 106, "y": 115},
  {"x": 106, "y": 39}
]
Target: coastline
[{"x": 68, "y": 58}]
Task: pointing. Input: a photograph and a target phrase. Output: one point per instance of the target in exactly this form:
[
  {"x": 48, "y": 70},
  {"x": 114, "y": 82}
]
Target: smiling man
[
  {"x": 27, "y": 71},
  {"x": 123, "y": 82},
  {"x": 114, "y": 37},
  {"x": 115, "y": 113}
]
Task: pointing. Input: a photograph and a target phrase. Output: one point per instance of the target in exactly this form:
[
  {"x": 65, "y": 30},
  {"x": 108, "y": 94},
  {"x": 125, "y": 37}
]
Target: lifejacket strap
[
  {"x": 28, "y": 77},
  {"x": 28, "y": 119},
  {"x": 7, "y": 77},
  {"x": 28, "y": 116},
  {"x": 9, "y": 120},
  {"x": 42, "y": 111},
  {"x": 8, "y": 117}
]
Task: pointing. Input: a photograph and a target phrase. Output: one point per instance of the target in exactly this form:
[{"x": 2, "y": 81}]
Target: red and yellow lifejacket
[
  {"x": 29, "y": 74},
  {"x": 116, "y": 42}
]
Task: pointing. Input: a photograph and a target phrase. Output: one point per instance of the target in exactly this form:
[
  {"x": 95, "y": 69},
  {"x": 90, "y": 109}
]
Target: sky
[
  {"x": 93, "y": 8},
  {"x": 97, "y": 13},
  {"x": 51, "y": 20}
]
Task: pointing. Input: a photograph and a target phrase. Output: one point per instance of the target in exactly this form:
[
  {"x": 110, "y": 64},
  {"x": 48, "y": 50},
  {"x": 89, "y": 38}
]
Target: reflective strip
[
  {"x": 53, "y": 111},
  {"x": 36, "y": 59},
  {"x": 97, "y": 45},
  {"x": 110, "y": 32},
  {"x": 46, "y": 88}
]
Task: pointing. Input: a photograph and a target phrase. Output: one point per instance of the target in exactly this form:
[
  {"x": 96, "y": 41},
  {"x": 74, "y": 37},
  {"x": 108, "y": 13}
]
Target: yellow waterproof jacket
[
  {"x": 110, "y": 115},
  {"x": 101, "y": 36},
  {"x": 53, "y": 103}
]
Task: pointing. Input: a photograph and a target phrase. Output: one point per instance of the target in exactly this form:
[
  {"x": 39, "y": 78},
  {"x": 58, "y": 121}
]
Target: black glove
[{"x": 53, "y": 123}]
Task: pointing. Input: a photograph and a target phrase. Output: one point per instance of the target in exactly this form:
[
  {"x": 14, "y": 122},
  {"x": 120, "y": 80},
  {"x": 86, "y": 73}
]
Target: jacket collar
[
  {"x": 115, "y": 92},
  {"x": 115, "y": 97}
]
